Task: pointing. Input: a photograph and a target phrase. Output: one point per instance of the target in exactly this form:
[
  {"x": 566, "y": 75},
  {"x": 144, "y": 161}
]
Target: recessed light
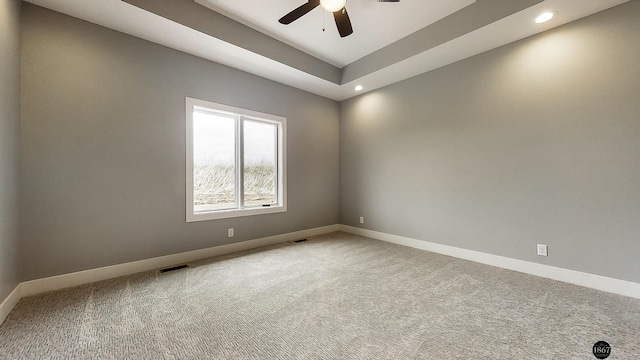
[
  {"x": 544, "y": 17},
  {"x": 359, "y": 87}
]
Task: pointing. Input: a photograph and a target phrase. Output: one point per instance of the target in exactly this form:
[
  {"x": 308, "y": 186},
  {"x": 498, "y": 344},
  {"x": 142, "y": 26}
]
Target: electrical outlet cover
[{"x": 542, "y": 250}]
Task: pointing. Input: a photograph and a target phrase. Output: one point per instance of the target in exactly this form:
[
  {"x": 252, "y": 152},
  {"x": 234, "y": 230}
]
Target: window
[{"x": 236, "y": 162}]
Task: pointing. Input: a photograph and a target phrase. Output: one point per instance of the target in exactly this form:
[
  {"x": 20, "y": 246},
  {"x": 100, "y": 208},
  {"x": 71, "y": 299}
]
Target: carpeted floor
[{"x": 336, "y": 296}]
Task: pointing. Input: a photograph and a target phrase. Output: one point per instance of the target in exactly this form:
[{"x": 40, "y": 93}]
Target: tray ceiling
[{"x": 391, "y": 42}]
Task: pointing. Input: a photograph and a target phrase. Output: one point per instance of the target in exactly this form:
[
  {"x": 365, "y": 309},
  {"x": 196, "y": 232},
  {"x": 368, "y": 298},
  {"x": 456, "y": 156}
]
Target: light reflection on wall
[
  {"x": 540, "y": 69},
  {"x": 368, "y": 108},
  {"x": 548, "y": 55}
]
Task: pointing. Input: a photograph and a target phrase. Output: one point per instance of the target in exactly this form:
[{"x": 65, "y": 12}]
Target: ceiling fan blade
[
  {"x": 299, "y": 12},
  {"x": 343, "y": 23}
]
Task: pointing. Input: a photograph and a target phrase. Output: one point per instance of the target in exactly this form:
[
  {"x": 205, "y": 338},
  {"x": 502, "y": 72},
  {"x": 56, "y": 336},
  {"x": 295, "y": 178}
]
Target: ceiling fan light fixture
[{"x": 333, "y": 5}]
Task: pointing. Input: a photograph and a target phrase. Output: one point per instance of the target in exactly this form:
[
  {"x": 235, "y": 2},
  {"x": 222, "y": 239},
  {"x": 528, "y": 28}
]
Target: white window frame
[{"x": 241, "y": 114}]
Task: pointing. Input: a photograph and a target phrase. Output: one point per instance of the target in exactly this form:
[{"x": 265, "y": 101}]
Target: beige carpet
[{"x": 336, "y": 296}]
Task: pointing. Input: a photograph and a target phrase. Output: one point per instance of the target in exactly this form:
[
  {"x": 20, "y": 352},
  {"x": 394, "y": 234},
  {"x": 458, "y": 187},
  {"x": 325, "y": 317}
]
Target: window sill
[{"x": 225, "y": 214}]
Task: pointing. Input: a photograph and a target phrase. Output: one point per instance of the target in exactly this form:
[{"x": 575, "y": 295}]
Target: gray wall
[
  {"x": 9, "y": 133},
  {"x": 103, "y": 148},
  {"x": 534, "y": 142}
]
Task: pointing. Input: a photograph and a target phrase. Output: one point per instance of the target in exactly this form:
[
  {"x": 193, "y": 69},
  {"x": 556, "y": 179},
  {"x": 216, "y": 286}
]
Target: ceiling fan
[{"x": 337, "y": 7}]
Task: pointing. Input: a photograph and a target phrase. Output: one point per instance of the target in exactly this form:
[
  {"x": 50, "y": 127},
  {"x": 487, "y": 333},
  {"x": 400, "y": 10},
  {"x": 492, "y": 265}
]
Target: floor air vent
[
  {"x": 174, "y": 268},
  {"x": 299, "y": 241}
]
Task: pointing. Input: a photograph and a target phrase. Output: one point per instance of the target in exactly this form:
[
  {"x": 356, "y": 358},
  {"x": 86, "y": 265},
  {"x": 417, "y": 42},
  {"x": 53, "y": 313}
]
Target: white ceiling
[
  {"x": 375, "y": 24},
  {"x": 126, "y": 18}
]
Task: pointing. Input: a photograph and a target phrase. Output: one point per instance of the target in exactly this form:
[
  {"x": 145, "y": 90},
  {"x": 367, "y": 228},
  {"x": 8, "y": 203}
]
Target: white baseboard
[
  {"x": 616, "y": 286},
  {"x": 39, "y": 286},
  {"x": 9, "y": 303},
  {"x": 34, "y": 287}
]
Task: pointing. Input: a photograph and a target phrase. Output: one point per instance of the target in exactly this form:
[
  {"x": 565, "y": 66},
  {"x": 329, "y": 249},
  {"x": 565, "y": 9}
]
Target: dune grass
[{"x": 215, "y": 184}]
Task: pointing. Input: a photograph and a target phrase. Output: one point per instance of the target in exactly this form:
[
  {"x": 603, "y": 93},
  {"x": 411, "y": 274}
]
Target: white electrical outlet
[
  {"x": 230, "y": 232},
  {"x": 361, "y": 219},
  {"x": 542, "y": 250}
]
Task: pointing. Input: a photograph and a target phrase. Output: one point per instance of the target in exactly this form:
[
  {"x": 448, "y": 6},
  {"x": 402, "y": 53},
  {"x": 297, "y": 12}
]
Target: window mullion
[
  {"x": 240, "y": 162},
  {"x": 276, "y": 174}
]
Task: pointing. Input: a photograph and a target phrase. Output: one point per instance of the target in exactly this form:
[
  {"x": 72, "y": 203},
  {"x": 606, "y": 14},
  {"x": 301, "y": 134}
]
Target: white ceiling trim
[
  {"x": 520, "y": 25},
  {"x": 126, "y": 18}
]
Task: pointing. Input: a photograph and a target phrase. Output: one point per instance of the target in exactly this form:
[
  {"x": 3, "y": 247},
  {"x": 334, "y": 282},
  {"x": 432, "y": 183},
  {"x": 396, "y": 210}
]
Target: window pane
[
  {"x": 260, "y": 163},
  {"x": 214, "y": 154}
]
